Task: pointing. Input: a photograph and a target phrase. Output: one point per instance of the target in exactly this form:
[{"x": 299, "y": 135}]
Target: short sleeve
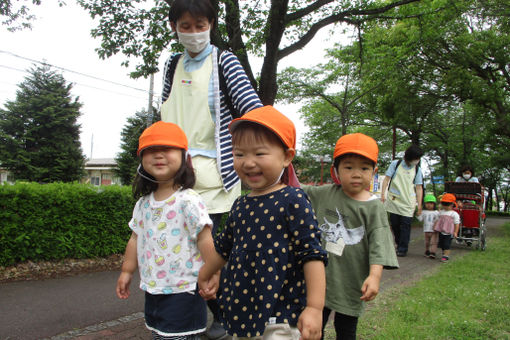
[
  {"x": 418, "y": 180},
  {"x": 391, "y": 169},
  {"x": 304, "y": 228},
  {"x": 195, "y": 212},
  {"x": 136, "y": 222},
  {"x": 380, "y": 239},
  {"x": 456, "y": 218}
]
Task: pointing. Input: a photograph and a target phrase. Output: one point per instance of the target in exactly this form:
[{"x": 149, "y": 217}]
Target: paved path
[{"x": 85, "y": 307}]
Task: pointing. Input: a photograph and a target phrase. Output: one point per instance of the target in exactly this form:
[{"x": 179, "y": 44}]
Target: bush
[
  {"x": 57, "y": 221},
  {"x": 497, "y": 213}
]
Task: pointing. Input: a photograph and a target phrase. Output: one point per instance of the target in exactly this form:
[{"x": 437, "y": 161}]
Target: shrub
[{"x": 58, "y": 220}]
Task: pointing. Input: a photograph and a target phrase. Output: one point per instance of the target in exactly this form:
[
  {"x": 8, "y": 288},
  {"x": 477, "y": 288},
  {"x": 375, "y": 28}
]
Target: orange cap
[
  {"x": 162, "y": 134},
  {"x": 448, "y": 198},
  {"x": 274, "y": 120},
  {"x": 357, "y": 143}
]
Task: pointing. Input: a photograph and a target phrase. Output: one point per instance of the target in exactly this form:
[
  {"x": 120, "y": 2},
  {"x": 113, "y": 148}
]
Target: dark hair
[
  {"x": 197, "y": 8},
  {"x": 466, "y": 168},
  {"x": 258, "y": 133},
  {"x": 412, "y": 153},
  {"x": 342, "y": 157},
  {"x": 185, "y": 178},
  {"x": 446, "y": 203}
]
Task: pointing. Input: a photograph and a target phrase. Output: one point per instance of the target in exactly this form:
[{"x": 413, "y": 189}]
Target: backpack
[{"x": 223, "y": 84}]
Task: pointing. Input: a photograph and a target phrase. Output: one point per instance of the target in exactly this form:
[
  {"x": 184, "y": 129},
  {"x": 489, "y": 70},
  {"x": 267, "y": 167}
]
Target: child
[
  {"x": 429, "y": 216},
  {"x": 447, "y": 225},
  {"x": 274, "y": 281},
  {"x": 355, "y": 230},
  {"x": 171, "y": 236}
]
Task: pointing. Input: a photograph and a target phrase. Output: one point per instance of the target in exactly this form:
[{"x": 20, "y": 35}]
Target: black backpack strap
[
  {"x": 224, "y": 89},
  {"x": 171, "y": 69},
  {"x": 394, "y": 173}
]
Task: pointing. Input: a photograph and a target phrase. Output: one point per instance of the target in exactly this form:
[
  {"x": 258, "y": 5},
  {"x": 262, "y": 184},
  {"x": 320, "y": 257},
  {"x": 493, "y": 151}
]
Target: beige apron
[
  {"x": 401, "y": 193},
  {"x": 188, "y": 107}
]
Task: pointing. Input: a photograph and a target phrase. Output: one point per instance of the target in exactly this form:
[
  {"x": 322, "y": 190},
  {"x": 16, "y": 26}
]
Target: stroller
[{"x": 470, "y": 206}]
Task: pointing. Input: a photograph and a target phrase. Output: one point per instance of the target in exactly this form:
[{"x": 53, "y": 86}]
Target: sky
[{"x": 60, "y": 36}]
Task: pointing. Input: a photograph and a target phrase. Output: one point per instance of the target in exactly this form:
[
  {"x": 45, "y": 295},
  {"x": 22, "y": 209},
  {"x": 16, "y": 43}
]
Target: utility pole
[{"x": 150, "y": 116}]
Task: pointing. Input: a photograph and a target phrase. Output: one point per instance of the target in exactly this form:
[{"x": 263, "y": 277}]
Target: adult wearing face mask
[
  {"x": 466, "y": 175},
  {"x": 203, "y": 88},
  {"x": 401, "y": 191}
]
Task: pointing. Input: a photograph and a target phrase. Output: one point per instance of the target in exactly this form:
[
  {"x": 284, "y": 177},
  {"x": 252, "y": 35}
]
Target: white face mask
[
  {"x": 194, "y": 42},
  {"x": 466, "y": 176}
]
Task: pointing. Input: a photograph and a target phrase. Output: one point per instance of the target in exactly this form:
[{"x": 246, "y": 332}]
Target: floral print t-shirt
[
  {"x": 266, "y": 241},
  {"x": 168, "y": 256}
]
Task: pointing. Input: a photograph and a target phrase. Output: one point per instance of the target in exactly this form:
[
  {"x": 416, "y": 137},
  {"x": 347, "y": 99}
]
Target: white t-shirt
[
  {"x": 428, "y": 217},
  {"x": 167, "y": 252}
]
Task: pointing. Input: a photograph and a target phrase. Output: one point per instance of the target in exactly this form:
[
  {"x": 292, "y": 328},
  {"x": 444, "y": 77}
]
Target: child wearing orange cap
[
  {"x": 274, "y": 280},
  {"x": 171, "y": 236},
  {"x": 355, "y": 230},
  {"x": 447, "y": 225}
]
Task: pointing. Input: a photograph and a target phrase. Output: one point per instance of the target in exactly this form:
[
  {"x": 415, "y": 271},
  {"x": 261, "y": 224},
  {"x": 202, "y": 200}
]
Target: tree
[
  {"x": 39, "y": 133},
  {"x": 16, "y": 18},
  {"x": 127, "y": 160},
  {"x": 274, "y": 29}
]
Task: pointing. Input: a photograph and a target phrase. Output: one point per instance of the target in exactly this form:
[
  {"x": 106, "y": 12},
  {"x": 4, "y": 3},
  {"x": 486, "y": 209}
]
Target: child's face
[
  {"x": 355, "y": 174},
  {"x": 447, "y": 206},
  {"x": 162, "y": 162},
  {"x": 259, "y": 162},
  {"x": 430, "y": 206}
]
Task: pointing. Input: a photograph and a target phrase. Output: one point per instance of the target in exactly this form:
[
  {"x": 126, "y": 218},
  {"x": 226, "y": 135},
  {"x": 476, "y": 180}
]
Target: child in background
[
  {"x": 447, "y": 225},
  {"x": 429, "y": 216},
  {"x": 274, "y": 281},
  {"x": 355, "y": 231},
  {"x": 171, "y": 236}
]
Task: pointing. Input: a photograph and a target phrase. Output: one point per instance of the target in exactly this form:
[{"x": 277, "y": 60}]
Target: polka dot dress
[{"x": 266, "y": 241}]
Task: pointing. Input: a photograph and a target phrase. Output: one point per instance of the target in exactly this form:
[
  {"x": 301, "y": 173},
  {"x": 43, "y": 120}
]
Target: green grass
[{"x": 468, "y": 298}]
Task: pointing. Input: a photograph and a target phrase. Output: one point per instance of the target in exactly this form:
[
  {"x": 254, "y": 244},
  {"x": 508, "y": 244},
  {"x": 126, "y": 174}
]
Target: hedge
[{"x": 57, "y": 221}]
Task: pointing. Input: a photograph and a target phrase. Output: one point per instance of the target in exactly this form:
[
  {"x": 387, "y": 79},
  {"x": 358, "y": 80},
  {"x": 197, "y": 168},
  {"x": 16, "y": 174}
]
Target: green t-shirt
[{"x": 356, "y": 234}]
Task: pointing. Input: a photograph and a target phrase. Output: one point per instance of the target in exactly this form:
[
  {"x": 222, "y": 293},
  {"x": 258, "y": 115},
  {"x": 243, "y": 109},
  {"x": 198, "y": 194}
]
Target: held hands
[
  {"x": 208, "y": 286},
  {"x": 370, "y": 288},
  {"x": 310, "y": 323},
  {"x": 123, "y": 283}
]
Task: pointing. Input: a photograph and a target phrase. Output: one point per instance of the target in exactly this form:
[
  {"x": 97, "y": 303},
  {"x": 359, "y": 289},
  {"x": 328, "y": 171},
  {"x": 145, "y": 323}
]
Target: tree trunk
[{"x": 275, "y": 28}]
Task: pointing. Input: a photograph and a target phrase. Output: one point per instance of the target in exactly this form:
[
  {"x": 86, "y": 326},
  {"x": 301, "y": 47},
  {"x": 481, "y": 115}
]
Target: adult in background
[
  {"x": 466, "y": 174},
  {"x": 401, "y": 191},
  {"x": 203, "y": 88}
]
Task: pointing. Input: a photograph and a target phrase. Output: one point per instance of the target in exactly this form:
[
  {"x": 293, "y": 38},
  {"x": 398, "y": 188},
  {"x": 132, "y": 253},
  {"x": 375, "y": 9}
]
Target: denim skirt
[{"x": 175, "y": 314}]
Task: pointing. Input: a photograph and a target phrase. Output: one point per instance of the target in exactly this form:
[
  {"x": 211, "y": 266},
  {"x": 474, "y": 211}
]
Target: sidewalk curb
[{"x": 98, "y": 327}]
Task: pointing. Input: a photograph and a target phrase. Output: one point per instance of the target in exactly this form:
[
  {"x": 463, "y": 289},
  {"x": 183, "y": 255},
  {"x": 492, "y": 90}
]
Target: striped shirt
[{"x": 244, "y": 99}]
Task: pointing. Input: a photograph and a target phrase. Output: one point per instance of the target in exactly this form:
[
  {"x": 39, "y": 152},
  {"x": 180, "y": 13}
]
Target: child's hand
[
  {"x": 208, "y": 286},
  {"x": 123, "y": 285},
  {"x": 310, "y": 323},
  {"x": 370, "y": 288}
]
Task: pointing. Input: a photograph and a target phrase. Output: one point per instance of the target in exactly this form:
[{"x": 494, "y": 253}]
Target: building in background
[{"x": 101, "y": 171}]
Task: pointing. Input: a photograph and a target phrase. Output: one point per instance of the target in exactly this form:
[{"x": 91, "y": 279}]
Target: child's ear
[
  {"x": 173, "y": 26},
  {"x": 289, "y": 156}
]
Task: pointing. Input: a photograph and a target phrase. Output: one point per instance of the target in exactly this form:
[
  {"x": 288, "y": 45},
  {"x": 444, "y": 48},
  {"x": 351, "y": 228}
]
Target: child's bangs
[{"x": 249, "y": 133}]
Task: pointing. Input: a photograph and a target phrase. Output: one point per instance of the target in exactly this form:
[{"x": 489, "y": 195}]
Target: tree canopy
[
  {"x": 272, "y": 29},
  {"x": 39, "y": 133},
  {"x": 439, "y": 76}
]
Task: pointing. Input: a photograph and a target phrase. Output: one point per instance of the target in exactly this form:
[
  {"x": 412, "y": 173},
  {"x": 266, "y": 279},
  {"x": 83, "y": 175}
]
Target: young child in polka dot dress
[{"x": 274, "y": 278}]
